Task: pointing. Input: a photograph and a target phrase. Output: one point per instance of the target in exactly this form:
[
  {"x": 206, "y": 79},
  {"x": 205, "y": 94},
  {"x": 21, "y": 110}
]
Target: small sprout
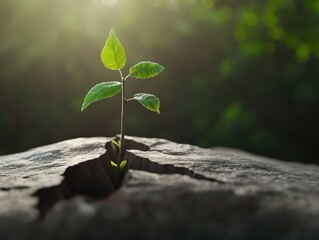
[
  {"x": 119, "y": 167},
  {"x": 113, "y": 57},
  {"x": 113, "y": 164},
  {"x": 123, "y": 164},
  {"x": 117, "y": 143}
]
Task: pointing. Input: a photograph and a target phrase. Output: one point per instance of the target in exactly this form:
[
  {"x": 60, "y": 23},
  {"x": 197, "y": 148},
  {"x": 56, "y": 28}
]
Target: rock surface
[{"x": 259, "y": 198}]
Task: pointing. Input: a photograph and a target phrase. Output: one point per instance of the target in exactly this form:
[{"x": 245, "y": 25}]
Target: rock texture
[{"x": 254, "y": 197}]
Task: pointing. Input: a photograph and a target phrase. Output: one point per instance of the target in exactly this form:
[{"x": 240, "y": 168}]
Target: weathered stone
[{"x": 259, "y": 198}]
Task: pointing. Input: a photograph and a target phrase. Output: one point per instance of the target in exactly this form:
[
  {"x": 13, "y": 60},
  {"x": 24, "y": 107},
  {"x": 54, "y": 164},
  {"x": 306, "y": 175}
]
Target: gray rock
[{"x": 259, "y": 198}]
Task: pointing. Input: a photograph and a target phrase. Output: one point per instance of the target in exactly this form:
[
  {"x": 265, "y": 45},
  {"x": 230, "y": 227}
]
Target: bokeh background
[{"x": 241, "y": 74}]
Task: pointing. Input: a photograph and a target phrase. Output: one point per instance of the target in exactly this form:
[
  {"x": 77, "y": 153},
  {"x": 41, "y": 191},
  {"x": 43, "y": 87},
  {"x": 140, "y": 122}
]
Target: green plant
[{"x": 114, "y": 58}]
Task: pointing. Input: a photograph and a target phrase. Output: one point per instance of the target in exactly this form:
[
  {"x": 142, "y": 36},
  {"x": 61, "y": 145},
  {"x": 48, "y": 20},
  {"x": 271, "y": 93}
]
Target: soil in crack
[{"x": 97, "y": 178}]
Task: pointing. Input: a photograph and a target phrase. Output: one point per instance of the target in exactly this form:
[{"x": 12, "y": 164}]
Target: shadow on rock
[{"x": 97, "y": 178}]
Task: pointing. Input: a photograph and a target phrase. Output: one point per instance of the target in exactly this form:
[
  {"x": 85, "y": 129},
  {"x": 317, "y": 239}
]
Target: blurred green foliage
[{"x": 239, "y": 73}]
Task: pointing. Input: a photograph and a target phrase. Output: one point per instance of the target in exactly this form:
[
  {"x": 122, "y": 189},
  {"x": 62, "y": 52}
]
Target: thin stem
[
  {"x": 121, "y": 74},
  {"x": 122, "y": 143},
  {"x": 126, "y": 77}
]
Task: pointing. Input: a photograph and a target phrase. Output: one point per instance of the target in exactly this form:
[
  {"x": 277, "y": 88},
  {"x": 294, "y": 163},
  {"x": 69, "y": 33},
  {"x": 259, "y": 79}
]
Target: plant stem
[{"x": 122, "y": 141}]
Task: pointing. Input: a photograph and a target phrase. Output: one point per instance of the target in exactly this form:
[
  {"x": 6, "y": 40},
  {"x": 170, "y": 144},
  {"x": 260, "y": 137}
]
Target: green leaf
[
  {"x": 101, "y": 91},
  {"x": 123, "y": 164},
  {"x": 113, "y": 164},
  {"x": 149, "y": 101},
  {"x": 145, "y": 70},
  {"x": 113, "y": 54},
  {"x": 117, "y": 143}
]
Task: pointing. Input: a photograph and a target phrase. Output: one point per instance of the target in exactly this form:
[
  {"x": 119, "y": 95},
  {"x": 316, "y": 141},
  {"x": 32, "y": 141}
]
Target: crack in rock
[
  {"x": 13, "y": 188},
  {"x": 97, "y": 178}
]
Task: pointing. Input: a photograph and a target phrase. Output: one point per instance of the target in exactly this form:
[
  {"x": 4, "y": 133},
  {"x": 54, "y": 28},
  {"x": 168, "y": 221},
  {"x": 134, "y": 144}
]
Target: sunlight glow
[{"x": 110, "y": 2}]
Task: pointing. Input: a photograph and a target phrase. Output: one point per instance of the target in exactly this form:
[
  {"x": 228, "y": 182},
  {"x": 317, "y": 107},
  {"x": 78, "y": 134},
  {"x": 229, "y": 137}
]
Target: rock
[{"x": 241, "y": 196}]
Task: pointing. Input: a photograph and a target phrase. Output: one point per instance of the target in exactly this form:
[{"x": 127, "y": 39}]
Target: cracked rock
[{"x": 253, "y": 198}]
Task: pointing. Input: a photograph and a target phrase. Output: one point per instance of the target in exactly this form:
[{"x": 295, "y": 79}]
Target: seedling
[
  {"x": 120, "y": 166},
  {"x": 114, "y": 58}
]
